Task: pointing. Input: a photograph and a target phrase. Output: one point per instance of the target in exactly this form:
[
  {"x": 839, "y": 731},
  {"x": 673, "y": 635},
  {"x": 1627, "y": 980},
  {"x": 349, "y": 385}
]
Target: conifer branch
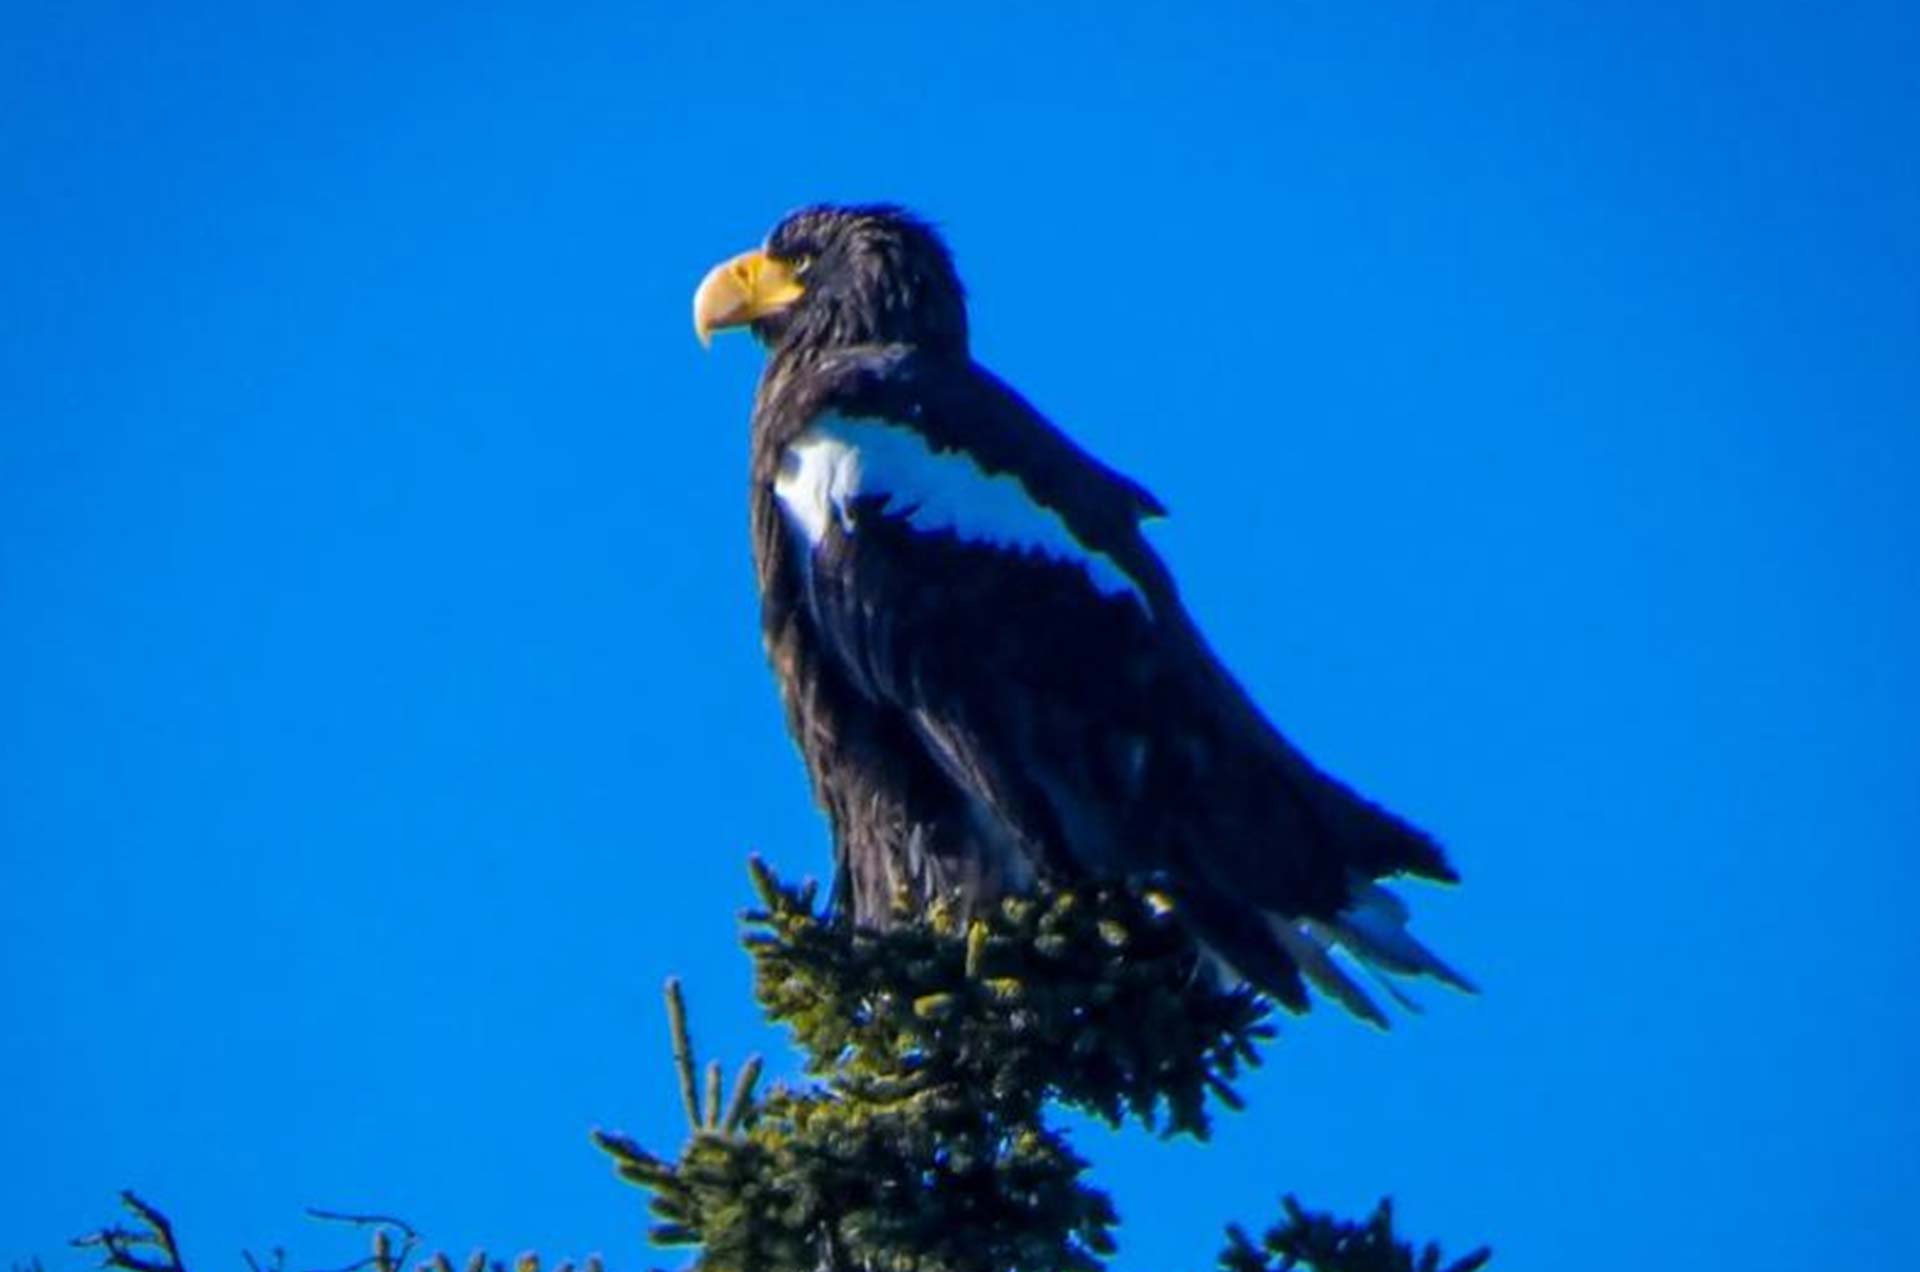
[
  {"x": 1321, "y": 1243},
  {"x": 683, "y": 1065},
  {"x": 921, "y": 1142},
  {"x": 122, "y": 1247}
]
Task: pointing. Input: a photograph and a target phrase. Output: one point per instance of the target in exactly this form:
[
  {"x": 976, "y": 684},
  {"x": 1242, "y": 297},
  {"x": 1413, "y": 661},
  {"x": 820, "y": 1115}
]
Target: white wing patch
[{"x": 840, "y": 459}]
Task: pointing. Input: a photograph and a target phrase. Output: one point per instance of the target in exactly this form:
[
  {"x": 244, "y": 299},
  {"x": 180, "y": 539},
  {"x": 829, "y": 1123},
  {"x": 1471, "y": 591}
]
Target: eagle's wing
[{"x": 969, "y": 568}]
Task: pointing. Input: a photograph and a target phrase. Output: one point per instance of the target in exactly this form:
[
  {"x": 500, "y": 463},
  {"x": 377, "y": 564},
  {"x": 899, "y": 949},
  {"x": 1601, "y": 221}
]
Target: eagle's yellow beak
[{"x": 734, "y": 293}]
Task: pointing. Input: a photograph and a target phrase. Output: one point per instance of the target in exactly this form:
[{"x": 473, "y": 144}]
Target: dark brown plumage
[{"x": 987, "y": 668}]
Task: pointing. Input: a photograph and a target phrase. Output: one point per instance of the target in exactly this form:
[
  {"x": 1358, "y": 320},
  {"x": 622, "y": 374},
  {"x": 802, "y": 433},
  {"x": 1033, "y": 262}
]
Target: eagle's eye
[{"x": 795, "y": 258}]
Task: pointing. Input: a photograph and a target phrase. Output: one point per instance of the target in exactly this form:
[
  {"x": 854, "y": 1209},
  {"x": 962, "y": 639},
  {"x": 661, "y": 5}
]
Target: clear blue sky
[{"x": 1536, "y": 389}]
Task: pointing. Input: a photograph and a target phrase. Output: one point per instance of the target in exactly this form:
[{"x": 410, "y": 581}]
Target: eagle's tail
[
  {"x": 1370, "y": 934},
  {"x": 1374, "y": 929}
]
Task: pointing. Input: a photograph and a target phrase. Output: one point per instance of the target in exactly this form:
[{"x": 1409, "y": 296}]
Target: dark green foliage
[
  {"x": 1089, "y": 998},
  {"x": 936, "y": 1050},
  {"x": 938, "y": 1045},
  {"x": 817, "y": 1181},
  {"x": 1308, "y": 1239}
]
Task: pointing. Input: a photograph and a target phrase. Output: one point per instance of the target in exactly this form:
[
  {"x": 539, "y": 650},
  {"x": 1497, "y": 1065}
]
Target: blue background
[{"x": 383, "y": 717}]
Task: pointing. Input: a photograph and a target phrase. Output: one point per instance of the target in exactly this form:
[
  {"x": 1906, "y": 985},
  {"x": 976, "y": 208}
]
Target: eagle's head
[{"x": 831, "y": 277}]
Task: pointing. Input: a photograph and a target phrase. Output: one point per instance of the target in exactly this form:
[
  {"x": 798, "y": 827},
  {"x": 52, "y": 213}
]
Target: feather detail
[
  {"x": 1374, "y": 929},
  {"x": 1370, "y": 936},
  {"x": 840, "y": 459},
  {"x": 1311, "y": 952}
]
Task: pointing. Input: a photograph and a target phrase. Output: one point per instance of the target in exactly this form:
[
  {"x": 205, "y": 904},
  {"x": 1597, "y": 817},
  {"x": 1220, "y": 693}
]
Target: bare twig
[
  {"x": 364, "y": 1221},
  {"x": 119, "y": 1244},
  {"x": 384, "y": 1258}
]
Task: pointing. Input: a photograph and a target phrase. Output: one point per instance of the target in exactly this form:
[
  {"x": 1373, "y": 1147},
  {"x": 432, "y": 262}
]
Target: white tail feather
[
  {"x": 1309, "y": 950},
  {"x": 1336, "y": 945},
  {"x": 1371, "y": 935},
  {"x": 1374, "y": 927}
]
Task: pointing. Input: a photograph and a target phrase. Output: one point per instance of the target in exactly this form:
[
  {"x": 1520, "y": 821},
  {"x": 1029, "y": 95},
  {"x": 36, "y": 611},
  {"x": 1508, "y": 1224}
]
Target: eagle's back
[{"x": 991, "y": 677}]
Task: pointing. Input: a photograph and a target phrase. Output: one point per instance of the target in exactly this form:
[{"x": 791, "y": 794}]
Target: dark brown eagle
[{"x": 988, "y": 669}]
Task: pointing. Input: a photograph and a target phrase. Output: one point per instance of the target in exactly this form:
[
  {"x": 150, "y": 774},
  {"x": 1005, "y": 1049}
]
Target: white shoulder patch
[{"x": 840, "y": 459}]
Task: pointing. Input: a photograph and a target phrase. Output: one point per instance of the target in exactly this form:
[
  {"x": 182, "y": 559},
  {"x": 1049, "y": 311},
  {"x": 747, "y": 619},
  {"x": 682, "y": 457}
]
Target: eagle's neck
[{"x": 802, "y": 381}]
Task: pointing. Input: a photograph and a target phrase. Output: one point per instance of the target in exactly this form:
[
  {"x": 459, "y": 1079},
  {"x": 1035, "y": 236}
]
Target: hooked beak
[{"x": 734, "y": 293}]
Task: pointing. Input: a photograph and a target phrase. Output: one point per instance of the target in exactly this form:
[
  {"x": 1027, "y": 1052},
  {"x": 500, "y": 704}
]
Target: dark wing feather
[{"x": 1083, "y": 731}]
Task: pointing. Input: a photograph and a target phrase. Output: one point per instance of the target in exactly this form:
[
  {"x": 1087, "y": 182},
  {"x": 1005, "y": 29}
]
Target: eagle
[{"x": 986, "y": 666}]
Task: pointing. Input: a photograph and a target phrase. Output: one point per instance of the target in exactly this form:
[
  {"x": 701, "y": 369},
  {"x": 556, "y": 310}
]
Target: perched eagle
[{"x": 986, "y": 666}]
